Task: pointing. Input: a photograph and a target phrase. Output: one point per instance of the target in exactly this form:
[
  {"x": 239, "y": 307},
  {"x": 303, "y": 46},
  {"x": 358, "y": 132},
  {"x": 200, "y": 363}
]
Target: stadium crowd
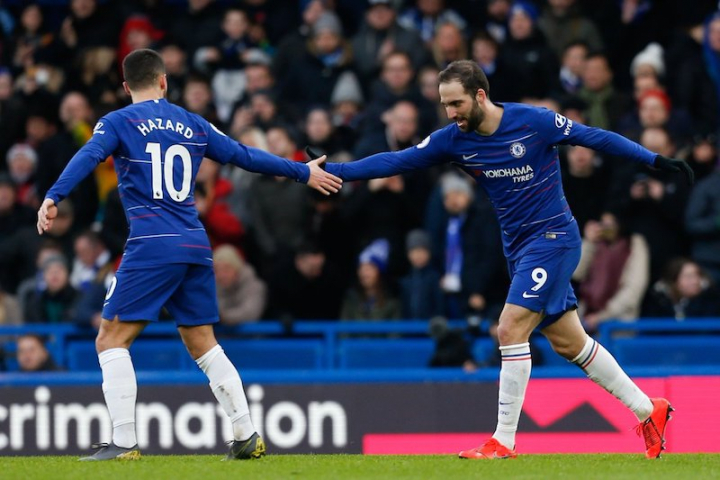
[{"x": 351, "y": 78}]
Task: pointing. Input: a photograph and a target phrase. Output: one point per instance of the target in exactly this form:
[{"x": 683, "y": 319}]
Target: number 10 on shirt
[{"x": 158, "y": 172}]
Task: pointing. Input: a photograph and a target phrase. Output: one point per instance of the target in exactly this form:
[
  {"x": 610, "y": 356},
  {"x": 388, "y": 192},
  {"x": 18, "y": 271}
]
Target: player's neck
[
  {"x": 493, "y": 116},
  {"x": 147, "y": 94}
]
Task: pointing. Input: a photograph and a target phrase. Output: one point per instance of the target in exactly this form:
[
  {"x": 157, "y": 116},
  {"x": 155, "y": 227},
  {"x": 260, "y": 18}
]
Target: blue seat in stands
[
  {"x": 668, "y": 350},
  {"x": 385, "y": 353},
  {"x": 167, "y": 354},
  {"x": 484, "y": 349},
  {"x": 286, "y": 354}
]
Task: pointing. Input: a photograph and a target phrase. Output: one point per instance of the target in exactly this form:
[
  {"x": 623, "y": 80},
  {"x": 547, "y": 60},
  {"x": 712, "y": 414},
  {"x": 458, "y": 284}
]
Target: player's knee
[
  {"x": 565, "y": 348},
  {"x": 107, "y": 339},
  {"x": 509, "y": 334}
]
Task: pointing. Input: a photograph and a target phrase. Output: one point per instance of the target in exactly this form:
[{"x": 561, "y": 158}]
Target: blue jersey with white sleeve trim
[
  {"x": 517, "y": 165},
  {"x": 158, "y": 148}
]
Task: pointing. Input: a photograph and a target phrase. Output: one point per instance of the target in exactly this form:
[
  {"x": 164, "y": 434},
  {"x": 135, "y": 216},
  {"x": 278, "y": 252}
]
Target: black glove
[
  {"x": 672, "y": 165},
  {"x": 313, "y": 155}
]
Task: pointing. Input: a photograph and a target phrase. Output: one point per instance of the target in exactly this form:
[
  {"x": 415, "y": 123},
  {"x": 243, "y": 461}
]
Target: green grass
[{"x": 345, "y": 467}]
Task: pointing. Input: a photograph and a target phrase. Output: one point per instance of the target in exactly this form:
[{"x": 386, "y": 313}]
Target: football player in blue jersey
[
  {"x": 511, "y": 151},
  {"x": 167, "y": 261}
]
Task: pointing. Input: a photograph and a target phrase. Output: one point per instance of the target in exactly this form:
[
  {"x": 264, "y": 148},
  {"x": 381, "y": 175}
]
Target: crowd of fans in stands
[{"x": 352, "y": 78}]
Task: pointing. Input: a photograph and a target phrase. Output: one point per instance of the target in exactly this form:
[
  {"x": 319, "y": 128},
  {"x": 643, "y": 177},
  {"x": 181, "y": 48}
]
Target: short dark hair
[
  {"x": 141, "y": 68},
  {"x": 468, "y": 74}
]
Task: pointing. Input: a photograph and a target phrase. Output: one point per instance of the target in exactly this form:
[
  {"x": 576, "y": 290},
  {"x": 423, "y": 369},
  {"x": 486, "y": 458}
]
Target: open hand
[
  {"x": 321, "y": 180},
  {"x": 47, "y": 213}
]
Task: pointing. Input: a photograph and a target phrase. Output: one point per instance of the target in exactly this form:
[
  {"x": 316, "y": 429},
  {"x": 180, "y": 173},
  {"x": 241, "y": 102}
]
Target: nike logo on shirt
[
  {"x": 528, "y": 295},
  {"x": 468, "y": 157}
]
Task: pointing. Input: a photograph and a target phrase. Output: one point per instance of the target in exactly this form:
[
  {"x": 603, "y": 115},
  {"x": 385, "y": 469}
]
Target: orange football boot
[
  {"x": 653, "y": 428},
  {"x": 492, "y": 449}
]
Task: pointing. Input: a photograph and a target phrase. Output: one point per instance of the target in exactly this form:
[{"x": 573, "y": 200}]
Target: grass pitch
[{"x": 346, "y": 467}]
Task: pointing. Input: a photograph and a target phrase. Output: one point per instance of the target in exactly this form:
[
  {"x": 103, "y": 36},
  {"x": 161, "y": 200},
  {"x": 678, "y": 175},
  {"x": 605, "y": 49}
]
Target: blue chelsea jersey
[
  {"x": 158, "y": 148},
  {"x": 517, "y": 166}
]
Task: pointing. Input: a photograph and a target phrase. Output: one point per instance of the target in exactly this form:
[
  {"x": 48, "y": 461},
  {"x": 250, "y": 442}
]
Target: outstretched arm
[
  {"x": 561, "y": 130},
  {"x": 101, "y": 145},
  {"x": 386, "y": 164},
  {"x": 225, "y": 150}
]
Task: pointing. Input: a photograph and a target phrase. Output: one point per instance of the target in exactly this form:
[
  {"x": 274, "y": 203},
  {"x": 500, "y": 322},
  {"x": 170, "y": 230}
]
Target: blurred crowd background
[{"x": 352, "y": 78}]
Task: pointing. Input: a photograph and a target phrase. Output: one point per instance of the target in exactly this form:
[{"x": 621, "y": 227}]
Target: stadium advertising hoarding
[{"x": 572, "y": 416}]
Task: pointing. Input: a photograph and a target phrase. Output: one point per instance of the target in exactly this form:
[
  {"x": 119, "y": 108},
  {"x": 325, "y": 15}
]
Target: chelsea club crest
[{"x": 517, "y": 150}]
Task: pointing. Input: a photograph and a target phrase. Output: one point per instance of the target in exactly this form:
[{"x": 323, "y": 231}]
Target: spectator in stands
[
  {"x": 572, "y": 66},
  {"x": 400, "y": 132},
  {"x": 689, "y": 81},
  {"x": 12, "y": 113},
  {"x": 380, "y": 34},
  {"x": 330, "y": 228},
  {"x": 394, "y": 85},
  {"x": 448, "y": 44},
  {"x": 33, "y": 356},
  {"x": 427, "y": 79},
  {"x": 347, "y": 102},
  {"x": 10, "y": 313},
  {"x": 613, "y": 271},
  {"x": 426, "y": 17},
  {"x": 324, "y": 137},
  {"x": 703, "y": 156},
  {"x": 563, "y": 23},
  {"x": 198, "y": 26},
  {"x": 13, "y": 214},
  {"x": 137, "y": 32},
  {"x": 292, "y": 44},
  {"x": 371, "y": 299},
  {"x": 226, "y": 60},
  {"x": 451, "y": 347},
  {"x": 241, "y": 294},
  {"x": 382, "y": 208},
  {"x": 655, "y": 204},
  {"x": 239, "y": 198},
  {"x": 465, "y": 239},
  {"x": 31, "y": 41},
  {"x": 197, "y": 98},
  {"x": 314, "y": 75},
  {"x": 55, "y": 303},
  {"x": 527, "y": 51},
  {"x": 176, "y": 69},
  {"x": 501, "y": 74},
  {"x": 605, "y": 105},
  {"x": 54, "y": 148},
  {"x": 306, "y": 287},
  {"x": 265, "y": 110},
  {"x": 211, "y": 194},
  {"x": 279, "y": 209},
  {"x": 711, "y": 50},
  {"x": 497, "y": 12},
  {"x": 88, "y": 25},
  {"x": 78, "y": 119},
  {"x": 22, "y": 163},
  {"x": 684, "y": 292},
  {"x": 702, "y": 223},
  {"x": 258, "y": 78},
  {"x": 421, "y": 297},
  {"x": 91, "y": 257},
  {"x": 655, "y": 111},
  {"x": 585, "y": 182},
  {"x": 231, "y": 50},
  {"x": 35, "y": 281},
  {"x": 114, "y": 228}
]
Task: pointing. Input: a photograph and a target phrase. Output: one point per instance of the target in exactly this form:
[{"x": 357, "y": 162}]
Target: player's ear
[
  {"x": 127, "y": 89},
  {"x": 480, "y": 95},
  {"x": 163, "y": 82}
]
